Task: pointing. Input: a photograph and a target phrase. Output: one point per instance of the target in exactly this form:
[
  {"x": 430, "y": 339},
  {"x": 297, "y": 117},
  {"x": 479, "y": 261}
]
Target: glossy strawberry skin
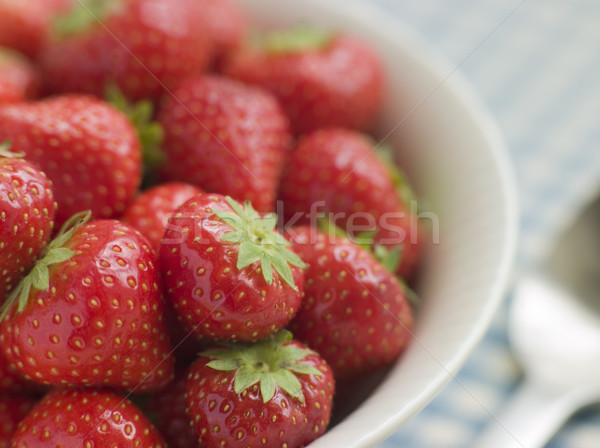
[
  {"x": 27, "y": 209},
  {"x": 13, "y": 409},
  {"x": 96, "y": 418},
  {"x": 168, "y": 410},
  {"x": 226, "y": 138},
  {"x": 221, "y": 415},
  {"x": 19, "y": 79},
  {"x": 339, "y": 85},
  {"x": 11, "y": 382},
  {"x": 88, "y": 149},
  {"x": 209, "y": 293},
  {"x": 150, "y": 211},
  {"x": 101, "y": 321},
  {"x": 354, "y": 312},
  {"x": 145, "y": 48},
  {"x": 338, "y": 170}
]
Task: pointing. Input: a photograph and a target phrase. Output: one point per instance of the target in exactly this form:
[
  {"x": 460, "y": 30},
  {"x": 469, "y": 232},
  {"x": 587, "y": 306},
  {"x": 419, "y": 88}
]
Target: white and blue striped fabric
[{"x": 536, "y": 63}]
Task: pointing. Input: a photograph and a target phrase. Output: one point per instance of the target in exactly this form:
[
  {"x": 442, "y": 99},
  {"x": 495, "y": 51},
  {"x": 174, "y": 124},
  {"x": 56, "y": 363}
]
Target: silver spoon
[{"x": 554, "y": 331}]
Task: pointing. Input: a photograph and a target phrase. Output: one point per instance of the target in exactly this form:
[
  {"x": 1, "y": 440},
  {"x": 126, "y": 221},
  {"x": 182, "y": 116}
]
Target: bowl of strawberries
[{"x": 239, "y": 224}]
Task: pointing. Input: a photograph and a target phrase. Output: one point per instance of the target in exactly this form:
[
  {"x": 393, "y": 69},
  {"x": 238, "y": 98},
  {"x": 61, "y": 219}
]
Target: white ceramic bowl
[{"x": 456, "y": 158}]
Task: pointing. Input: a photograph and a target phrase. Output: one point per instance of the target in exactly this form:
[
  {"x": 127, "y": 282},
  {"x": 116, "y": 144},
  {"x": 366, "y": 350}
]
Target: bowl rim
[{"x": 394, "y": 29}]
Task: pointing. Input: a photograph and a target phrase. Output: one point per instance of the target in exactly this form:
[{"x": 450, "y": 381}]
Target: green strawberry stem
[
  {"x": 39, "y": 276},
  {"x": 83, "y": 15},
  {"x": 259, "y": 241},
  {"x": 268, "y": 362},
  {"x": 6, "y": 152},
  {"x": 150, "y": 133},
  {"x": 293, "y": 40}
]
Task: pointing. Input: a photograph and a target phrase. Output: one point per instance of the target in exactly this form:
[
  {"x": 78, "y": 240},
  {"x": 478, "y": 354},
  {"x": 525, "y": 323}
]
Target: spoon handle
[{"x": 529, "y": 420}]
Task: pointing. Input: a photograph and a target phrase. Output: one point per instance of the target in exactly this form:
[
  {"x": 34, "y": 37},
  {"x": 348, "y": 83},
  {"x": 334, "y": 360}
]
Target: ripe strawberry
[
  {"x": 86, "y": 418},
  {"x": 10, "y": 380},
  {"x": 88, "y": 149},
  {"x": 225, "y": 22},
  {"x": 227, "y": 138},
  {"x": 337, "y": 171},
  {"x": 144, "y": 47},
  {"x": 19, "y": 79},
  {"x": 91, "y": 312},
  {"x": 150, "y": 211},
  {"x": 24, "y": 26},
  {"x": 27, "y": 210},
  {"x": 271, "y": 394},
  {"x": 13, "y": 409},
  {"x": 321, "y": 79},
  {"x": 167, "y": 409},
  {"x": 354, "y": 313},
  {"x": 228, "y": 274}
]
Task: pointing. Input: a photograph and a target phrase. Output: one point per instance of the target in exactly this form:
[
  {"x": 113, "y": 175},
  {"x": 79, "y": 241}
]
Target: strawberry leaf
[
  {"x": 289, "y": 384},
  {"x": 249, "y": 253},
  {"x": 39, "y": 276},
  {"x": 224, "y": 364},
  {"x": 245, "y": 377},
  {"x": 270, "y": 362},
  {"x": 267, "y": 386},
  {"x": 258, "y": 241},
  {"x": 6, "y": 152}
]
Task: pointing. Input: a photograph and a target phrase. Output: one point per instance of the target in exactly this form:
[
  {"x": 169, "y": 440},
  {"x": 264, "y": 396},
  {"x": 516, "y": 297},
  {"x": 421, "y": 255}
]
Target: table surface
[{"x": 536, "y": 64}]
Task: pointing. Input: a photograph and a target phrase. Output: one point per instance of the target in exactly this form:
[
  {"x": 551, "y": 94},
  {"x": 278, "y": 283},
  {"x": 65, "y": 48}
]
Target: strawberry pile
[{"x": 198, "y": 235}]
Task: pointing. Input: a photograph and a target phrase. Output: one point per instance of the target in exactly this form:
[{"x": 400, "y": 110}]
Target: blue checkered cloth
[{"x": 536, "y": 63}]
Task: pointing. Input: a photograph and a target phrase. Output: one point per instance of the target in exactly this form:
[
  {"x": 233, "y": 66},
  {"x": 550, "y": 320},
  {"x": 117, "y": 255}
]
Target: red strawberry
[
  {"x": 337, "y": 171},
  {"x": 24, "y": 26},
  {"x": 27, "y": 210},
  {"x": 144, "y": 47},
  {"x": 91, "y": 312},
  {"x": 354, "y": 313},
  {"x": 229, "y": 275},
  {"x": 167, "y": 408},
  {"x": 19, "y": 79},
  {"x": 10, "y": 380},
  {"x": 227, "y": 138},
  {"x": 226, "y": 23},
  {"x": 86, "y": 418},
  {"x": 88, "y": 149},
  {"x": 150, "y": 211},
  {"x": 322, "y": 79},
  {"x": 13, "y": 409},
  {"x": 271, "y": 394}
]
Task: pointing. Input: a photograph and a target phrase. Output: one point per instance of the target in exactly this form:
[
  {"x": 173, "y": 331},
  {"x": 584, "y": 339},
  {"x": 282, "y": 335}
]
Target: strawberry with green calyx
[
  {"x": 86, "y": 418},
  {"x": 275, "y": 392},
  {"x": 27, "y": 210},
  {"x": 338, "y": 171},
  {"x": 355, "y": 313},
  {"x": 388, "y": 257},
  {"x": 87, "y": 148},
  {"x": 321, "y": 78},
  {"x": 227, "y": 138},
  {"x": 228, "y": 273},
  {"x": 145, "y": 47},
  {"x": 90, "y": 312},
  {"x": 19, "y": 78}
]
